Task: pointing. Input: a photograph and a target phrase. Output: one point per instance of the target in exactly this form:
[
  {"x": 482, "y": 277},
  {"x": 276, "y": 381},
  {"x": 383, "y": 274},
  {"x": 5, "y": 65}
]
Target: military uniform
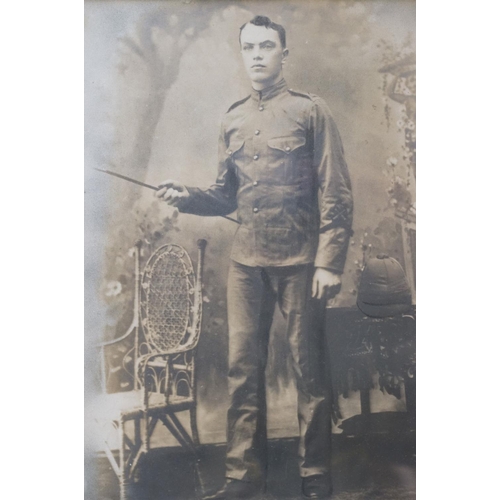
[{"x": 281, "y": 165}]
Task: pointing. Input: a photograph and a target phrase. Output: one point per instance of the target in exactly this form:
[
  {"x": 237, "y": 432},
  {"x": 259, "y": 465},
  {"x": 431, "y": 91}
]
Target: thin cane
[{"x": 149, "y": 186}]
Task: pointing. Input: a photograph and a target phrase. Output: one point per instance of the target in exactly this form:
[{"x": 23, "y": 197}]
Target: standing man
[{"x": 281, "y": 165}]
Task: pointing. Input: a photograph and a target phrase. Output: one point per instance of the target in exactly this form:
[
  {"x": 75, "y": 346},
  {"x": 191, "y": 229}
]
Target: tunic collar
[{"x": 269, "y": 92}]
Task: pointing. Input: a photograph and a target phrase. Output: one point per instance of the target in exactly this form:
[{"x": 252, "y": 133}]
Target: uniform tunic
[{"x": 282, "y": 166}]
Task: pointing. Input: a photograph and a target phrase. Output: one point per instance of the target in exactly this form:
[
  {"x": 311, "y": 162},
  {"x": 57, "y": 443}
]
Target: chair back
[{"x": 170, "y": 301}]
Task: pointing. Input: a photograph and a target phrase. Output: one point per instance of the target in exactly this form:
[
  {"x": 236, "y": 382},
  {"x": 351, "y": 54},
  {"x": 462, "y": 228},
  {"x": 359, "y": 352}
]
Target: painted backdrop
[{"x": 159, "y": 76}]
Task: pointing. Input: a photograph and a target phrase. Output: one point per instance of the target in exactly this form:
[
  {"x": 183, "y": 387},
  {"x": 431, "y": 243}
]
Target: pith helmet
[{"x": 384, "y": 290}]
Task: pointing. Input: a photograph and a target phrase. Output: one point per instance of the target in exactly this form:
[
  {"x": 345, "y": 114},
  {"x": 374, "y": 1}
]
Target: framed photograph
[{"x": 250, "y": 249}]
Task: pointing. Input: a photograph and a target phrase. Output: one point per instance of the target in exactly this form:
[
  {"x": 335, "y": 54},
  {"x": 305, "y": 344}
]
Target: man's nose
[{"x": 257, "y": 55}]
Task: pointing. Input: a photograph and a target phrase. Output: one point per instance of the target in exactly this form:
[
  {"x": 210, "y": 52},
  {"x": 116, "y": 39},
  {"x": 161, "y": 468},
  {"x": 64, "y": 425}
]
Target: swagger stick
[
  {"x": 149, "y": 186},
  {"x": 124, "y": 177}
]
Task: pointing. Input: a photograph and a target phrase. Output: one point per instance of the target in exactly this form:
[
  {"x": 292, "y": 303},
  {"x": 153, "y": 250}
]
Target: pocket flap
[
  {"x": 235, "y": 144},
  {"x": 286, "y": 144}
]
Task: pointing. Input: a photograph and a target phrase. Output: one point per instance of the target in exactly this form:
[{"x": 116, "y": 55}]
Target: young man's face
[{"x": 262, "y": 54}]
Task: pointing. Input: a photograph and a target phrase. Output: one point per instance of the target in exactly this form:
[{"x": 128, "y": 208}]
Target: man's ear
[{"x": 285, "y": 55}]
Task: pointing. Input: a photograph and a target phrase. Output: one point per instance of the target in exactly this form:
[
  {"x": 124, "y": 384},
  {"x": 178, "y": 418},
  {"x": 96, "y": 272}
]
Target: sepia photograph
[{"x": 250, "y": 249}]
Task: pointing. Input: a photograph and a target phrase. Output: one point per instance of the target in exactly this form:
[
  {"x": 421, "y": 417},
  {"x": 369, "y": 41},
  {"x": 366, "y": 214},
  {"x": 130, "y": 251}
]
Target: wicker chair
[{"x": 166, "y": 328}]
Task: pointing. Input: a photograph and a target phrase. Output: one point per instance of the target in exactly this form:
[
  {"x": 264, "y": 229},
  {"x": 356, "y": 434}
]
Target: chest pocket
[{"x": 285, "y": 155}]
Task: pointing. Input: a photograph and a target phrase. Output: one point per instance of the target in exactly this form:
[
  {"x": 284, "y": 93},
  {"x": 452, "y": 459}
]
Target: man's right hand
[{"x": 171, "y": 192}]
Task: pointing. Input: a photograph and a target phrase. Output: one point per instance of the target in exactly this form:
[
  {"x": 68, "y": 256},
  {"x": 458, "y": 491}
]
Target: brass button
[
  {"x": 229, "y": 152},
  {"x": 287, "y": 149},
  {"x": 257, "y": 132},
  {"x": 255, "y": 210},
  {"x": 256, "y": 157},
  {"x": 255, "y": 183},
  {"x": 261, "y": 108}
]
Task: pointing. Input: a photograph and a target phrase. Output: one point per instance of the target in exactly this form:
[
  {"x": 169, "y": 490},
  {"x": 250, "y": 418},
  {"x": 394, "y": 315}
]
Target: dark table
[{"x": 360, "y": 346}]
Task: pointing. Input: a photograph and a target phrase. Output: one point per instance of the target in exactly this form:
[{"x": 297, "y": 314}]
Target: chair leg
[
  {"x": 124, "y": 489},
  {"x": 130, "y": 454},
  {"x": 194, "y": 425},
  {"x": 200, "y": 487},
  {"x": 123, "y": 466}
]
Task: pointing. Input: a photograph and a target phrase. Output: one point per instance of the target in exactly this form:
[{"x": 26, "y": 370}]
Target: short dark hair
[{"x": 266, "y": 22}]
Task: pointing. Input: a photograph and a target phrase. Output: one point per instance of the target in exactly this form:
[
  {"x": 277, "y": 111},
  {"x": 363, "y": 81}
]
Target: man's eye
[{"x": 246, "y": 47}]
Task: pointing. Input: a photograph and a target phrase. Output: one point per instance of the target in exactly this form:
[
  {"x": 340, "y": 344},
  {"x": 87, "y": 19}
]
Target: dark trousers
[{"x": 252, "y": 295}]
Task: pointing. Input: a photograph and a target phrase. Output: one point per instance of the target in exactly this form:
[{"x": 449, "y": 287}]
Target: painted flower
[
  {"x": 392, "y": 162},
  {"x": 113, "y": 288}
]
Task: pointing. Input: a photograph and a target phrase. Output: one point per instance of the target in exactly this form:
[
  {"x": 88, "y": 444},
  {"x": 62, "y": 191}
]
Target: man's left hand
[{"x": 325, "y": 284}]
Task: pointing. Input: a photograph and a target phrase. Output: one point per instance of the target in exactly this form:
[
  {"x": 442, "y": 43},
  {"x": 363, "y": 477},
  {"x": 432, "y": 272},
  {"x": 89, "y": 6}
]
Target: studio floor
[{"x": 378, "y": 465}]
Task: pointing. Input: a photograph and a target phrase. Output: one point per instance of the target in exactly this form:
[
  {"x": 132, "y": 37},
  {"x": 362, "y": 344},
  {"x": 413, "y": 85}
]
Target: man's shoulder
[
  {"x": 312, "y": 98},
  {"x": 238, "y": 103},
  {"x": 300, "y": 93},
  {"x": 305, "y": 95},
  {"x": 310, "y": 102},
  {"x": 306, "y": 101}
]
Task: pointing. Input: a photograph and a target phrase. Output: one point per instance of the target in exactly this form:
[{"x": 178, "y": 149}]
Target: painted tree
[{"x": 149, "y": 65}]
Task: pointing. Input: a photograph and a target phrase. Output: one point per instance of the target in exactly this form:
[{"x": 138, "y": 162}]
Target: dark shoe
[
  {"x": 236, "y": 489},
  {"x": 318, "y": 486}
]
